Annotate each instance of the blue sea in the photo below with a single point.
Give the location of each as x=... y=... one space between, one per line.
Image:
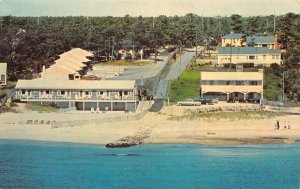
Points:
x=26 y=164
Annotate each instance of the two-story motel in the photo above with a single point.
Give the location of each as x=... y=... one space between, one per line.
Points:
x=3 y=74
x=255 y=55
x=112 y=95
x=64 y=86
x=228 y=86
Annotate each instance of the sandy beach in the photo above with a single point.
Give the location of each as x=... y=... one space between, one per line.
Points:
x=160 y=127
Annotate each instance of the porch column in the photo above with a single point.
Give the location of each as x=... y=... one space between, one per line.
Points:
x=83 y=106
x=245 y=96
x=227 y=96
x=111 y=106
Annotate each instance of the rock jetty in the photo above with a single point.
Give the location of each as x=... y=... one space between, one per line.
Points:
x=138 y=139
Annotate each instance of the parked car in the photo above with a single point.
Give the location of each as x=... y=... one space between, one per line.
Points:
x=215 y=100
x=188 y=102
x=204 y=100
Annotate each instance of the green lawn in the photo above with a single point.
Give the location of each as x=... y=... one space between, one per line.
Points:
x=186 y=87
x=272 y=85
x=41 y=108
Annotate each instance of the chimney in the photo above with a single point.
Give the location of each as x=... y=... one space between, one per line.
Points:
x=43 y=72
x=275 y=41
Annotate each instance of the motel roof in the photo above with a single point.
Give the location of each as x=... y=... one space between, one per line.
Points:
x=69 y=62
x=56 y=69
x=233 y=36
x=247 y=50
x=77 y=52
x=61 y=84
x=232 y=76
x=3 y=67
x=260 y=39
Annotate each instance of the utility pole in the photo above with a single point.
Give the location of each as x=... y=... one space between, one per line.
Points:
x=153 y=24
x=113 y=47
x=274 y=23
x=230 y=54
x=202 y=25
x=283 y=86
x=219 y=26
x=1 y=24
x=180 y=59
x=196 y=42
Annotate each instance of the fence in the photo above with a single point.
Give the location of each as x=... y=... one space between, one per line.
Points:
x=126 y=117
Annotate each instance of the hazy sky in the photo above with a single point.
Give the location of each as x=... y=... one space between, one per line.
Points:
x=146 y=7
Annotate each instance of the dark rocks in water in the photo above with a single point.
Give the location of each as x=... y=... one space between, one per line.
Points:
x=119 y=145
x=120 y=155
x=128 y=141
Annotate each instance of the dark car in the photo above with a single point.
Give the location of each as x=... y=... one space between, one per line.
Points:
x=204 y=100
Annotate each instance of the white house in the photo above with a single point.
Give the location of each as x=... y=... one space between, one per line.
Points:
x=3 y=74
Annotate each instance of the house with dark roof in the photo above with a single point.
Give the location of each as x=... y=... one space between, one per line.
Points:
x=234 y=40
x=255 y=55
x=262 y=41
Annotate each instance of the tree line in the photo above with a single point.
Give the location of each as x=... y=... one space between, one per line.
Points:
x=27 y=43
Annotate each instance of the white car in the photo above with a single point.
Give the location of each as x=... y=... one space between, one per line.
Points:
x=188 y=102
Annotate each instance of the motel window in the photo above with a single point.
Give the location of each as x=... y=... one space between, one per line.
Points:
x=125 y=92
x=87 y=92
x=239 y=82
x=63 y=92
x=211 y=82
x=251 y=57
x=47 y=92
x=227 y=82
x=253 y=82
x=23 y=92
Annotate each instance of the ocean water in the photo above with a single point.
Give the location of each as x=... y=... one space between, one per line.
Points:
x=25 y=164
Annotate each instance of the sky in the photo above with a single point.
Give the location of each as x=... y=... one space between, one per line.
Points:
x=146 y=7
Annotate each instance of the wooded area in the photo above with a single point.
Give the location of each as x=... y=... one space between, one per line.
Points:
x=27 y=43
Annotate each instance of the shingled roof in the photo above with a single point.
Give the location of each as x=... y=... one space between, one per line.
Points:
x=233 y=36
x=247 y=50
x=260 y=39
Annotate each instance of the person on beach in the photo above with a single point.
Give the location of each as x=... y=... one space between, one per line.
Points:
x=277 y=125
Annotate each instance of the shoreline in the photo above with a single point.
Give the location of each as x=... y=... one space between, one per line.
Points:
x=157 y=127
x=206 y=142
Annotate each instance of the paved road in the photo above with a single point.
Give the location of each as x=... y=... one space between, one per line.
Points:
x=177 y=68
x=142 y=73
x=180 y=65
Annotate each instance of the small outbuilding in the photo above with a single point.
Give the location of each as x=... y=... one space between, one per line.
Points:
x=3 y=74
